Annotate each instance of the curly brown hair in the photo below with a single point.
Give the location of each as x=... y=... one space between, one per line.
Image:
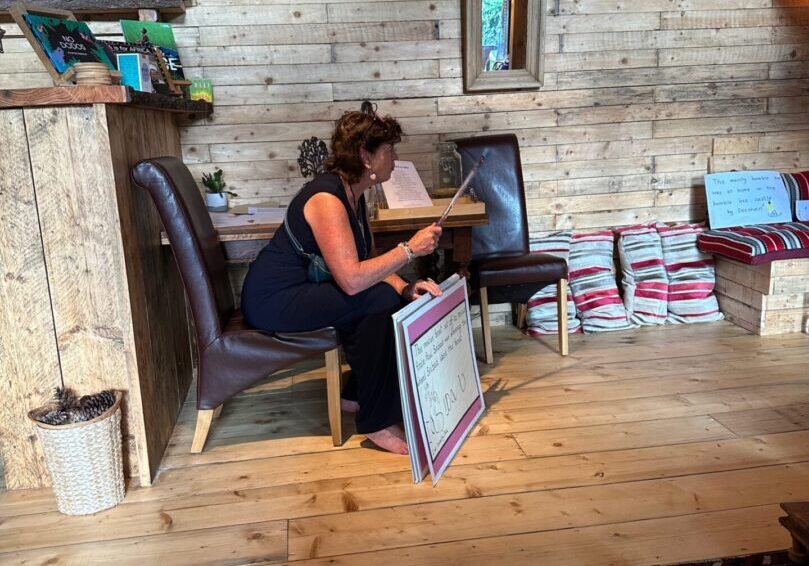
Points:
x=355 y=130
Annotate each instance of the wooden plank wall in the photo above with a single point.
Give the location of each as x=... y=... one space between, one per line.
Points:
x=637 y=94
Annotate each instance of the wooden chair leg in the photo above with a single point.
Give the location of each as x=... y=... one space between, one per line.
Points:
x=521 y=312
x=218 y=411
x=333 y=387
x=561 y=313
x=488 y=353
x=204 y=418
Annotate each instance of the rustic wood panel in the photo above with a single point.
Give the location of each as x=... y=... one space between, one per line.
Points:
x=625 y=80
x=81 y=242
x=158 y=313
x=29 y=360
x=771 y=298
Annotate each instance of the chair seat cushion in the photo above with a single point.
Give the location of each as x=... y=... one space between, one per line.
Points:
x=758 y=244
x=517 y=270
x=322 y=337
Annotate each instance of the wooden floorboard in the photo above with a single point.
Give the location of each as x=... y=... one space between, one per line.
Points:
x=647 y=447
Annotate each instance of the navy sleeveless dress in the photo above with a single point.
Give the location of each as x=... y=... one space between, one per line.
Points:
x=277 y=297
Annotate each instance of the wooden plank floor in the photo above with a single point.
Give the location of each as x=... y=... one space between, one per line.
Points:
x=644 y=447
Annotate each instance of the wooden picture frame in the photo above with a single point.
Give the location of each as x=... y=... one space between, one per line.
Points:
x=175 y=87
x=76 y=44
x=530 y=74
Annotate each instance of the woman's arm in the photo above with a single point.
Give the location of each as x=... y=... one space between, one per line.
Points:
x=327 y=217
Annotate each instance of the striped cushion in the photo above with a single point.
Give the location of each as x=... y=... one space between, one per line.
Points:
x=592 y=281
x=542 y=316
x=758 y=244
x=645 y=284
x=691 y=275
x=798 y=186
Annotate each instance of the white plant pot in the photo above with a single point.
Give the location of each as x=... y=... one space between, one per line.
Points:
x=216 y=202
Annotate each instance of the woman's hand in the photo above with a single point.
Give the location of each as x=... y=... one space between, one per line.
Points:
x=413 y=291
x=425 y=241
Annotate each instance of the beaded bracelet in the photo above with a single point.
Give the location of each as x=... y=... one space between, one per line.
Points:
x=408 y=252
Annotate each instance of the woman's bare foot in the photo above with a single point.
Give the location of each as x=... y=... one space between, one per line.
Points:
x=389 y=439
x=348 y=406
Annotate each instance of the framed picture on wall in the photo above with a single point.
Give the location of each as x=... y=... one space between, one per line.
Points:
x=59 y=40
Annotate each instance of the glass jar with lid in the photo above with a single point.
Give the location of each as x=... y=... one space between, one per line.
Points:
x=446 y=170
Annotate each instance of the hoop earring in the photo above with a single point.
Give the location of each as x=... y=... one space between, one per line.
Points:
x=372 y=176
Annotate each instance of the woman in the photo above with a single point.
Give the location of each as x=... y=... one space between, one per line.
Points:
x=328 y=218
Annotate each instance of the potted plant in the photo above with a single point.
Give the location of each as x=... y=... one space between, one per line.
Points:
x=216 y=197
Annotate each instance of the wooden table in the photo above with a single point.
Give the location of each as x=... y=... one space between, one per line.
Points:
x=244 y=235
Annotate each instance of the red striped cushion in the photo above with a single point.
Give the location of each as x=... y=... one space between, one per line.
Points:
x=645 y=283
x=758 y=244
x=542 y=317
x=797 y=185
x=690 y=273
x=592 y=281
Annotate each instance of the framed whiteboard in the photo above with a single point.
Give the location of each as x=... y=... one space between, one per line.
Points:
x=438 y=375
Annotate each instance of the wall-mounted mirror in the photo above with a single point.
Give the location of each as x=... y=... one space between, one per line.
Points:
x=503 y=44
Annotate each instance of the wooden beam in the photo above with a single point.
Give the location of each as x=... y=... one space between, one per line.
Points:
x=100 y=6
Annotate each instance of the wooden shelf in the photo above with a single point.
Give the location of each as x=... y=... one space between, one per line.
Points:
x=113 y=94
x=104 y=6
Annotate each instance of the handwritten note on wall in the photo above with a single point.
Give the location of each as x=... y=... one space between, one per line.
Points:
x=741 y=198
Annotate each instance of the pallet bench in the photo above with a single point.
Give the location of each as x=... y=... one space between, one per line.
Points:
x=762 y=275
x=770 y=298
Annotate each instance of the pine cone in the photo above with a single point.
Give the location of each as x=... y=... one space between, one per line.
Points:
x=65 y=398
x=91 y=406
x=54 y=417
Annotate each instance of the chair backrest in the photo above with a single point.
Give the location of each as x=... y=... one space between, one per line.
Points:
x=499 y=184
x=194 y=241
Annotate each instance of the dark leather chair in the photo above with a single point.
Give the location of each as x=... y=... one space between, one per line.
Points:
x=231 y=356
x=502 y=269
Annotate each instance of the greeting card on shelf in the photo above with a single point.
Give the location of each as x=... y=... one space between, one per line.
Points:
x=158 y=74
x=161 y=36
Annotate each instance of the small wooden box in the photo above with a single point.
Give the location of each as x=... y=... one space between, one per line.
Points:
x=464 y=207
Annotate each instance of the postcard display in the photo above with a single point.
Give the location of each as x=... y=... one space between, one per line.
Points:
x=438 y=377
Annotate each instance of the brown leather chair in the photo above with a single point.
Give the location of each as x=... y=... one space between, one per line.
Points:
x=502 y=267
x=231 y=356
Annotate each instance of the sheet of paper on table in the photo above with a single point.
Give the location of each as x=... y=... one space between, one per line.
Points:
x=405 y=188
x=268 y=214
x=260 y=216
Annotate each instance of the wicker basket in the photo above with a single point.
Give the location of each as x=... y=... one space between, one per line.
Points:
x=84 y=460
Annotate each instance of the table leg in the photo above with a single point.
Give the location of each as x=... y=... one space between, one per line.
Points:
x=462 y=249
